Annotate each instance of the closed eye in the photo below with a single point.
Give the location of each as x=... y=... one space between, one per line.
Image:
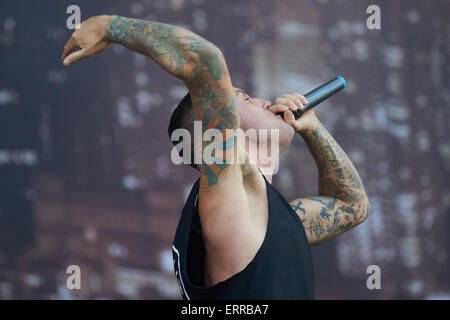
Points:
x=243 y=93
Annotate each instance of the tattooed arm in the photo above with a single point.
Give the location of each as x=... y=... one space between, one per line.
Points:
x=175 y=49
x=342 y=202
x=199 y=63
x=182 y=53
x=223 y=204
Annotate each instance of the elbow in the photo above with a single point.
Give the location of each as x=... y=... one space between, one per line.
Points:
x=206 y=59
x=212 y=49
x=205 y=52
x=212 y=57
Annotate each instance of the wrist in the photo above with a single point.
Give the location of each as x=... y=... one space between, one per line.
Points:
x=305 y=131
x=108 y=33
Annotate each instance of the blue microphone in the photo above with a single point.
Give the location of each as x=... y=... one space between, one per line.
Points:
x=319 y=94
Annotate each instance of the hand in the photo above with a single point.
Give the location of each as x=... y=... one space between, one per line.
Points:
x=287 y=103
x=90 y=38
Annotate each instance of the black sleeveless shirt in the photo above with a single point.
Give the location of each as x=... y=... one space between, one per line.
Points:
x=281 y=269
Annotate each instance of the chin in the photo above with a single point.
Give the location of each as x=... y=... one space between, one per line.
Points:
x=286 y=134
x=285 y=141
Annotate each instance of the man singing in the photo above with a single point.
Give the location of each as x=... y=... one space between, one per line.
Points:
x=238 y=238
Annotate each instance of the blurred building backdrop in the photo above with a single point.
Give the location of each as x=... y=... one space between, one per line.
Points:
x=85 y=170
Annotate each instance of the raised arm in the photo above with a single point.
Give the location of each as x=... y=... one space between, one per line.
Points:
x=182 y=53
x=175 y=49
x=342 y=202
x=223 y=206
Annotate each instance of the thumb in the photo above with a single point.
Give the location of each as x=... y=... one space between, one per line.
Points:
x=75 y=57
x=289 y=117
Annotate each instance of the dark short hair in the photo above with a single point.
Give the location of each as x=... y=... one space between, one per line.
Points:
x=183 y=117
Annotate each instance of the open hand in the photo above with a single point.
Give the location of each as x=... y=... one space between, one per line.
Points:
x=90 y=38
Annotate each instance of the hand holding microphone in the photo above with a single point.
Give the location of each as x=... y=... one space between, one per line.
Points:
x=297 y=115
x=291 y=104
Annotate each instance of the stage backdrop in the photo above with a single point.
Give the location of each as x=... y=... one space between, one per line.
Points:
x=85 y=172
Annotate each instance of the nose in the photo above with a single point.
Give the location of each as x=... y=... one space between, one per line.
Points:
x=266 y=104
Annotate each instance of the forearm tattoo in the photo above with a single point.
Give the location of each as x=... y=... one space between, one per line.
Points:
x=337 y=175
x=170 y=46
x=198 y=63
x=342 y=202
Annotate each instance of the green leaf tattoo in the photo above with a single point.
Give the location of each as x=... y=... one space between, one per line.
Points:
x=196 y=61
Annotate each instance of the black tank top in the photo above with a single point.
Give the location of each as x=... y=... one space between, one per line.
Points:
x=281 y=269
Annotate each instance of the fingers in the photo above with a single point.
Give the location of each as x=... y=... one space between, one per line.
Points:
x=289 y=117
x=69 y=57
x=294 y=99
x=68 y=48
x=302 y=98
x=74 y=57
x=276 y=108
x=287 y=102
